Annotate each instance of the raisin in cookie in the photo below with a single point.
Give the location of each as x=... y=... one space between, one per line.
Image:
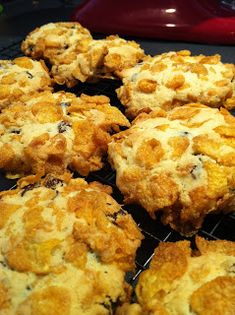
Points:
x=57 y=42
x=104 y=58
x=182 y=282
x=180 y=162
x=176 y=78
x=22 y=76
x=65 y=247
x=55 y=131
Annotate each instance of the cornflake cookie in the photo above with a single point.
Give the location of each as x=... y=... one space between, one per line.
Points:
x=180 y=162
x=182 y=282
x=57 y=42
x=104 y=58
x=55 y=131
x=22 y=76
x=176 y=78
x=65 y=247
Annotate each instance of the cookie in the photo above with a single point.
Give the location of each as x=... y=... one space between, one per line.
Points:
x=180 y=163
x=57 y=42
x=104 y=58
x=65 y=247
x=182 y=282
x=22 y=76
x=176 y=78
x=55 y=131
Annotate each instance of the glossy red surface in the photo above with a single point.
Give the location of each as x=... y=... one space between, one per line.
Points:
x=204 y=21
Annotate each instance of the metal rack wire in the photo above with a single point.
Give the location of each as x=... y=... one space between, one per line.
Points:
x=219 y=226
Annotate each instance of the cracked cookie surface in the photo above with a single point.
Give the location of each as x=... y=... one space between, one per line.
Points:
x=174 y=79
x=104 y=58
x=65 y=245
x=21 y=76
x=180 y=281
x=57 y=42
x=55 y=131
x=179 y=163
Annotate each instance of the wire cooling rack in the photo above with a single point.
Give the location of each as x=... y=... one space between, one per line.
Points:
x=215 y=227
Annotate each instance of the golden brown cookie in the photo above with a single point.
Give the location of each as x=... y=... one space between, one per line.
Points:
x=22 y=76
x=57 y=42
x=180 y=162
x=65 y=247
x=104 y=58
x=174 y=79
x=55 y=131
x=182 y=282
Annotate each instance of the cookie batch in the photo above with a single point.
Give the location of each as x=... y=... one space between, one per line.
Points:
x=65 y=243
x=76 y=57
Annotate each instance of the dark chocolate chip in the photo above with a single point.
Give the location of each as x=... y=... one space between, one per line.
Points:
x=192 y=171
x=63 y=126
x=111 y=305
x=52 y=182
x=199 y=155
x=184 y=133
x=17 y=131
x=115 y=214
x=29 y=187
x=30 y=76
x=56 y=194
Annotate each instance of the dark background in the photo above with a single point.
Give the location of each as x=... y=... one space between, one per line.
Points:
x=19 y=17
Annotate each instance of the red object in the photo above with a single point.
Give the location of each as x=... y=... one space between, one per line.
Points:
x=204 y=21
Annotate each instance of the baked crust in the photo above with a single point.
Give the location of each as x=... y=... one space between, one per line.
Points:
x=55 y=131
x=105 y=58
x=21 y=76
x=174 y=79
x=65 y=245
x=180 y=281
x=57 y=42
x=179 y=162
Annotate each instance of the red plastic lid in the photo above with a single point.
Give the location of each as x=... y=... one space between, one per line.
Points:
x=205 y=21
